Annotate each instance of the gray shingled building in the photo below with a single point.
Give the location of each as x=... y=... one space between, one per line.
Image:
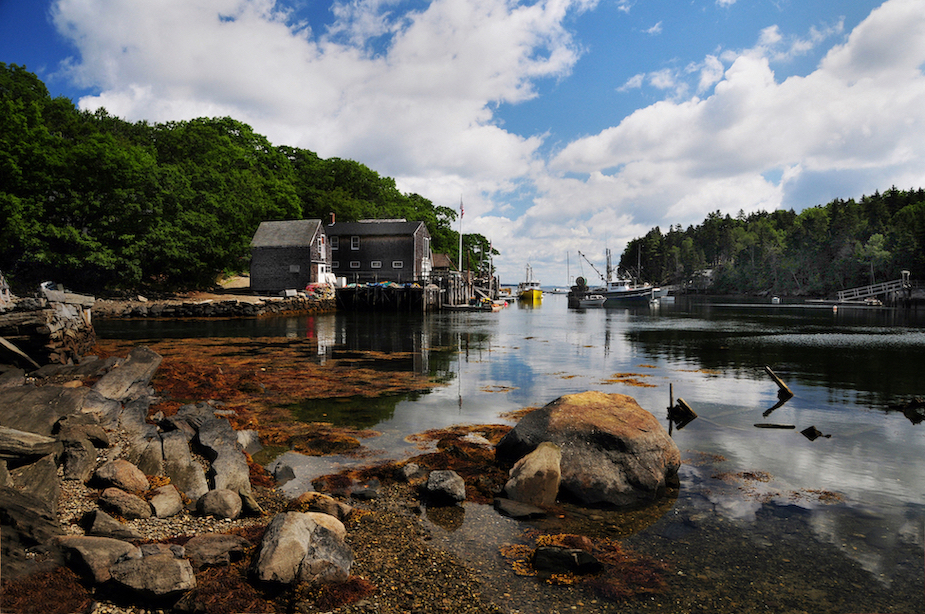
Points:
x=287 y=255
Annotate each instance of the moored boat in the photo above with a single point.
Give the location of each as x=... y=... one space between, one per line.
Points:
x=529 y=289
x=591 y=300
x=617 y=290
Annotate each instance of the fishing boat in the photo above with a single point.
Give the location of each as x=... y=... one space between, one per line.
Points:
x=529 y=289
x=617 y=289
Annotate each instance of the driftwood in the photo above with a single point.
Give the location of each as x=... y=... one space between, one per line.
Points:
x=680 y=414
x=784 y=392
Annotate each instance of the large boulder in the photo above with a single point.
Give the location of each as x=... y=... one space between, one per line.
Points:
x=297 y=548
x=535 y=477
x=614 y=452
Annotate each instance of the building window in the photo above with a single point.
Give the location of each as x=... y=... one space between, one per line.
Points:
x=354 y=242
x=335 y=264
x=354 y=264
x=294 y=268
x=335 y=243
x=398 y=264
x=375 y=264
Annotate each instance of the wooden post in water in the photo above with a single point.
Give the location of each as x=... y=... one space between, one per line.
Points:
x=784 y=391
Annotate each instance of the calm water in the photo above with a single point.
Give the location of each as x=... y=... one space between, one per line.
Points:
x=856 y=497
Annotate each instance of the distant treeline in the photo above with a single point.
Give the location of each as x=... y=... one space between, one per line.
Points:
x=816 y=252
x=98 y=203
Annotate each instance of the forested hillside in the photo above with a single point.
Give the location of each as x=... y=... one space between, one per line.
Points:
x=102 y=204
x=816 y=252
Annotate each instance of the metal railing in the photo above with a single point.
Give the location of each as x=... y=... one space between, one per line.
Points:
x=855 y=294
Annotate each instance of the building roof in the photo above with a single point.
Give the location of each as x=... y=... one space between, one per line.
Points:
x=287 y=233
x=373 y=227
x=443 y=261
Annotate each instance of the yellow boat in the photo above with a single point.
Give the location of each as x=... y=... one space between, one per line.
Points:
x=529 y=289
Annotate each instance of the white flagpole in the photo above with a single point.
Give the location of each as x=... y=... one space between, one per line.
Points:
x=460 y=232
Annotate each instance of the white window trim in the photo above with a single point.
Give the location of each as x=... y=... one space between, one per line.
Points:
x=398 y=264
x=335 y=243
x=375 y=264
x=355 y=242
x=354 y=264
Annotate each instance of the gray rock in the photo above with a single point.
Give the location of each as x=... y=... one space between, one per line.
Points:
x=99 y=523
x=445 y=486
x=20 y=445
x=105 y=410
x=216 y=549
x=220 y=503
x=614 y=452
x=219 y=443
x=295 y=548
x=147 y=453
x=535 y=477
x=179 y=466
x=133 y=418
x=249 y=441
x=92 y=557
x=518 y=510
x=166 y=501
x=175 y=550
x=124 y=504
x=78 y=459
x=5 y=480
x=155 y=576
x=131 y=378
x=39 y=479
x=324 y=504
x=36 y=409
x=82 y=426
x=12 y=377
x=122 y=474
x=564 y=560
x=411 y=472
x=26 y=522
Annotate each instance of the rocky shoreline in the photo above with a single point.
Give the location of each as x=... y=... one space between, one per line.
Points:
x=73 y=496
x=126 y=510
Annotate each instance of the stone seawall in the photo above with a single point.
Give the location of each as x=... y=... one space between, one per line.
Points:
x=230 y=308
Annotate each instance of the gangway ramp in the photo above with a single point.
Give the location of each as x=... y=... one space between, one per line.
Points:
x=873 y=290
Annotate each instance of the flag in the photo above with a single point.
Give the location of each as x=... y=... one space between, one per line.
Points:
x=461 y=210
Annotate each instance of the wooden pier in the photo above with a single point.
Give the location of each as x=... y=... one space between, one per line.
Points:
x=411 y=298
x=888 y=292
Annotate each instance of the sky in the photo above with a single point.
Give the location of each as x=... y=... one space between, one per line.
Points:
x=559 y=125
